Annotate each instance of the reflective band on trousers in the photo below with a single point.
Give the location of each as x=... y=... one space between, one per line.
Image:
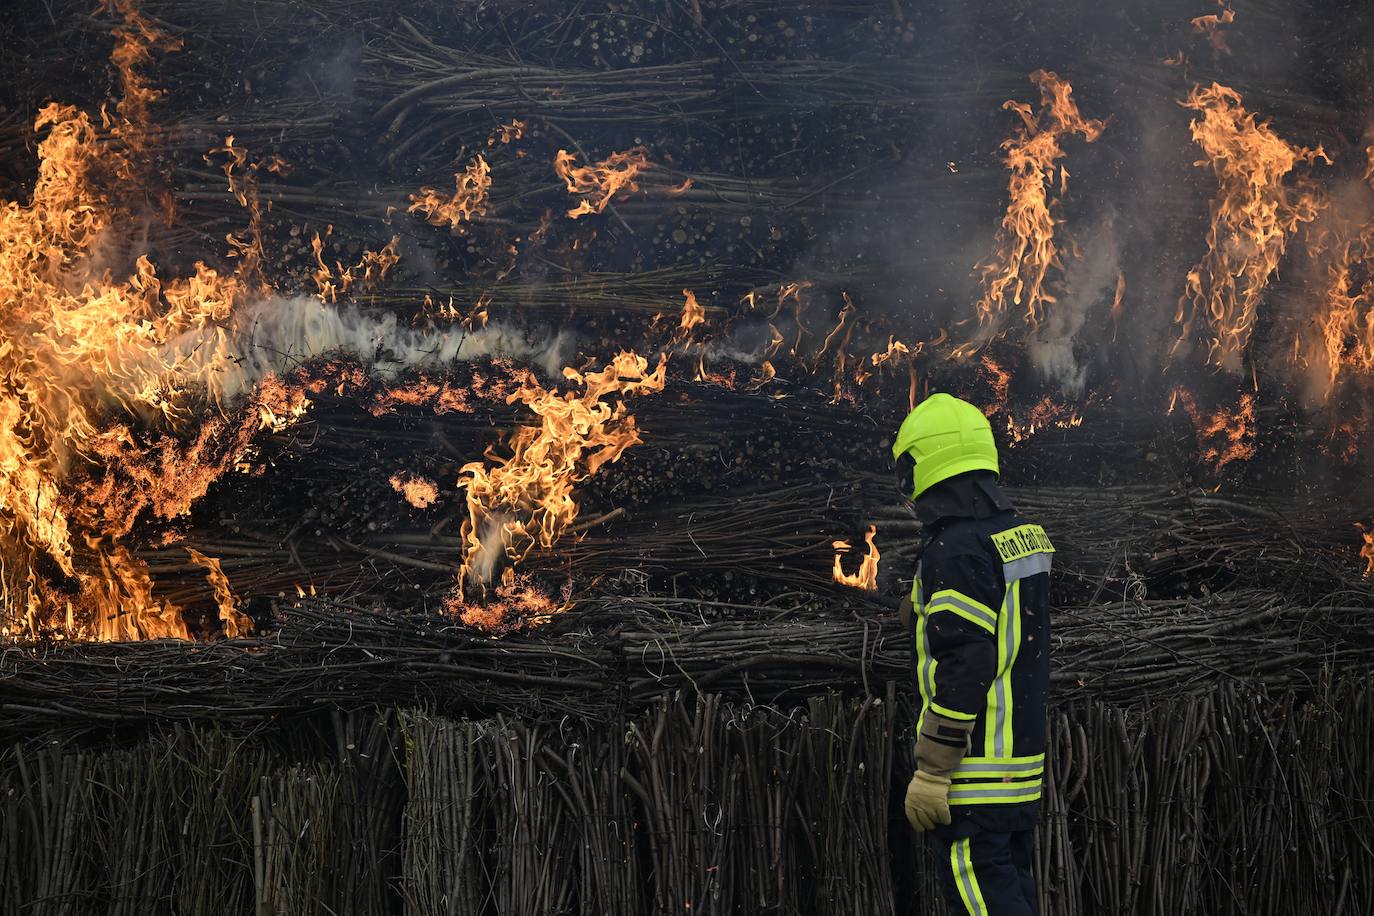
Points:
x=961 y=863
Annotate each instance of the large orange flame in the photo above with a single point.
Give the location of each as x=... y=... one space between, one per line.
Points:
x=1026 y=249
x=525 y=500
x=1255 y=213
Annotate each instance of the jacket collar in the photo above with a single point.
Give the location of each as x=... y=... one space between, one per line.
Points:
x=971 y=495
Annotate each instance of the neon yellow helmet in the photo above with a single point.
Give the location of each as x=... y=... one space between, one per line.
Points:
x=942 y=437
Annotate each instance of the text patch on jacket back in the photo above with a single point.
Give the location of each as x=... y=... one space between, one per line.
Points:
x=1021 y=541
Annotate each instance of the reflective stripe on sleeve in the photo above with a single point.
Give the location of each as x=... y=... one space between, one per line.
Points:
x=952 y=714
x=971 y=610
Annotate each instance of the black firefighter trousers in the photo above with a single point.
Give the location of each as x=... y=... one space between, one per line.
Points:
x=985 y=872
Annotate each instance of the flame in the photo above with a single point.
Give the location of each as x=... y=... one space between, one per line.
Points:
x=1026 y=249
x=692 y=314
x=1047 y=414
x=1253 y=216
x=470 y=198
x=765 y=375
x=525 y=500
x=597 y=184
x=1367 y=549
x=894 y=348
x=75 y=343
x=1223 y=436
x=136 y=39
x=234 y=621
x=1211 y=26
x=506 y=134
x=420 y=492
x=1000 y=379
x=1346 y=319
x=372 y=267
x=1118 y=304
x=867 y=576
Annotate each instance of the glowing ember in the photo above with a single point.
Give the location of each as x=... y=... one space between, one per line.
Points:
x=867 y=576
x=420 y=492
x=525 y=500
x=1026 y=249
x=1253 y=216
x=469 y=200
x=1225 y=435
x=597 y=184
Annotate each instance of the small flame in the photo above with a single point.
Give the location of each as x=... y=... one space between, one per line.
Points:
x=1211 y=26
x=419 y=491
x=597 y=184
x=470 y=198
x=1367 y=549
x=867 y=576
x=1118 y=304
x=235 y=622
x=1225 y=435
x=1047 y=414
x=371 y=268
x=506 y=134
x=692 y=314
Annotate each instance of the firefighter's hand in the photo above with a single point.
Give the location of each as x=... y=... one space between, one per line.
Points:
x=927 y=801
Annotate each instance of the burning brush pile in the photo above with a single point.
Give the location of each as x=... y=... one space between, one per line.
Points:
x=433 y=379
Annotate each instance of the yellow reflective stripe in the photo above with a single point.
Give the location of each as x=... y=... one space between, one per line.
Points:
x=1021 y=541
x=925 y=661
x=961 y=863
x=951 y=714
x=995 y=792
x=983 y=769
x=1013 y=650
x=1008 y=761
x=997 y=737
x=968 y=608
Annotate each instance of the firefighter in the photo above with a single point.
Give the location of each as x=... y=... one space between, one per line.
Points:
x=980 y=618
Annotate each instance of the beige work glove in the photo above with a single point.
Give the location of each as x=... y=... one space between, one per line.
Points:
x=927 y=795
x=927 y=801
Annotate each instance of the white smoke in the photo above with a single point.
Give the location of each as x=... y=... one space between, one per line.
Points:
x=279 y=334
x=1089 y=281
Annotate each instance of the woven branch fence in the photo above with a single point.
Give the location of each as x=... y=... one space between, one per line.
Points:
x=1233 y=800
